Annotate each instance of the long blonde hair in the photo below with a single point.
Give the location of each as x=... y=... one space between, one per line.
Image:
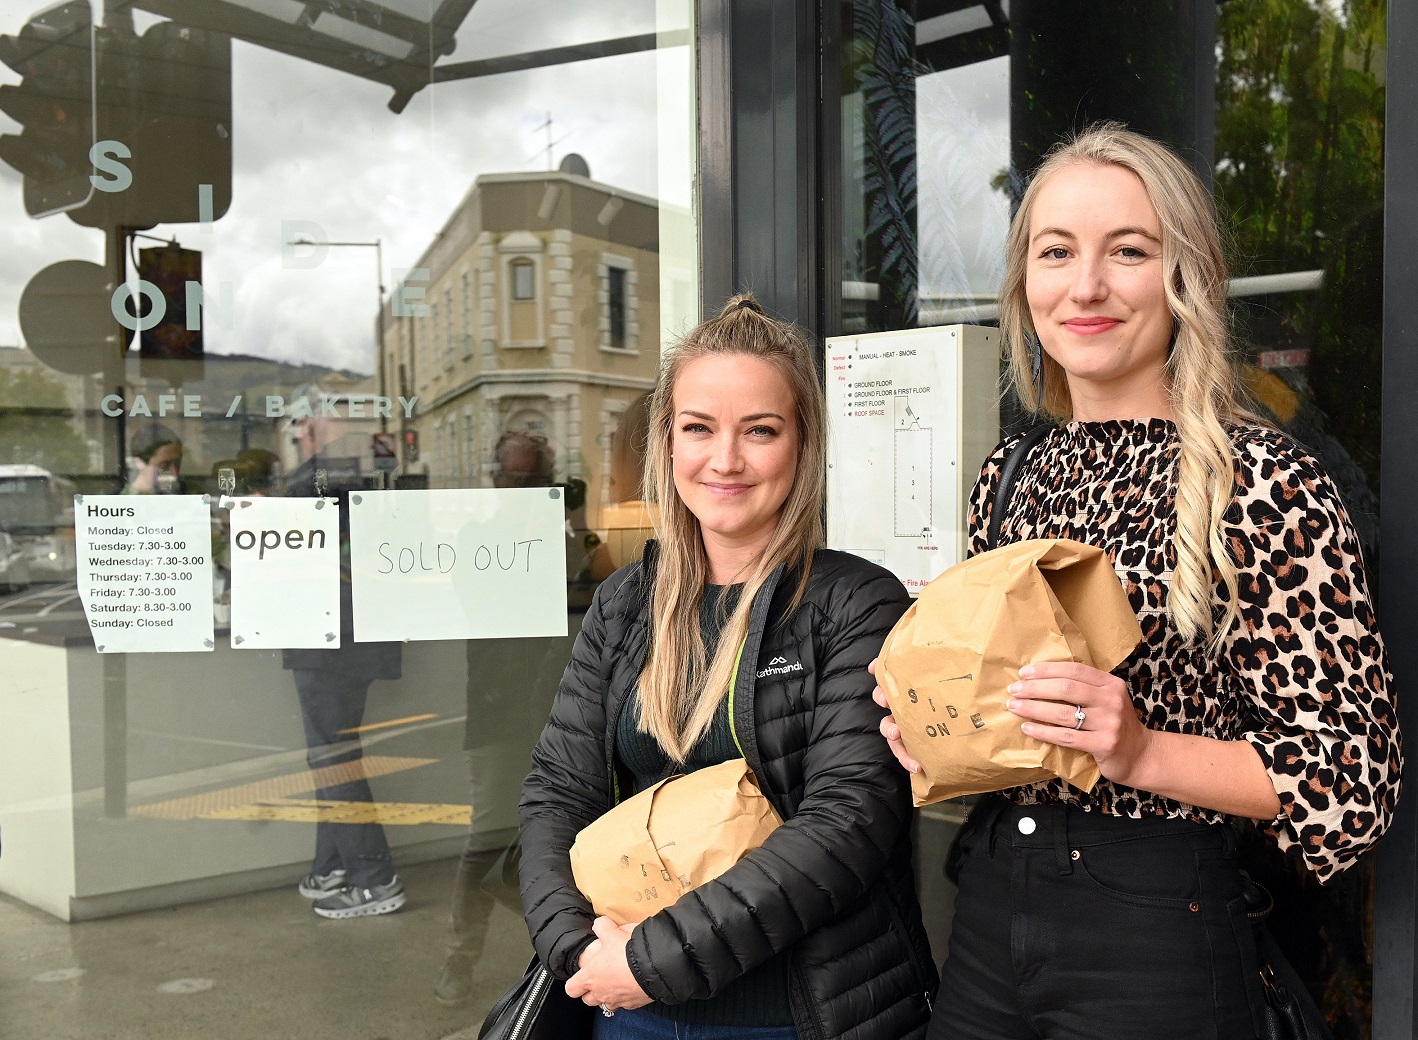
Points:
x=680 y=689
x=1205 y=395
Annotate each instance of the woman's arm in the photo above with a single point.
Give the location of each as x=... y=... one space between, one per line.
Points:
x=1307 y=656
x=1319 y=754
x=854 y=811
x=566 y=789
x=1225 y=775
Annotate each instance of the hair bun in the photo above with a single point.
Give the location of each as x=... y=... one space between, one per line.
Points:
x=742 y=302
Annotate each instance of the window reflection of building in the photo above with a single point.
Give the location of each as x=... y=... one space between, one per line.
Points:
x=625 y=515
x=565 y=274
x=55 y=421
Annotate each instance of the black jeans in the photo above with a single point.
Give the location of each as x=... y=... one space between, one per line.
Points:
x=1078 y=926
x=332 y=705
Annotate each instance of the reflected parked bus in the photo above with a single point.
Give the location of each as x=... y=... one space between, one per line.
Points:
x=37 y=516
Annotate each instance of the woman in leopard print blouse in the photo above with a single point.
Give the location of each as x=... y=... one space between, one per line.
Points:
x=1302 y=674
x=1260 y=688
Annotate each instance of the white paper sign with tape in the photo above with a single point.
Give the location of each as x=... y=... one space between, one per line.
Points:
x=145 y=571
x=285 y=573
x=458 y=563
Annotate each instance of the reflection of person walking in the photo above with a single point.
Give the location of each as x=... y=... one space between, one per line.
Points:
x=505 y=686
x=352 y=874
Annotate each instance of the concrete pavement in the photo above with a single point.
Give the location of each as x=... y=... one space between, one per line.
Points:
x=253 y=966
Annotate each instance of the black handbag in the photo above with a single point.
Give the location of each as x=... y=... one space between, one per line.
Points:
x=1004 y=490
x=1290 y=1012
x=537 y=1008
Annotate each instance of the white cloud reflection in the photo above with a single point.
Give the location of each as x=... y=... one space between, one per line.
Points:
x=314 y=144
x=962 y=143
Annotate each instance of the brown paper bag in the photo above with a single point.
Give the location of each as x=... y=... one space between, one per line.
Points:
x=947 y=665
x=649 y=850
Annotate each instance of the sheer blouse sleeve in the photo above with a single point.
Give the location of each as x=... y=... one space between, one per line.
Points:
x=1307 y=656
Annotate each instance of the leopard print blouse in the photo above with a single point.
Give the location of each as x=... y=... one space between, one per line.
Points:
x=1302 y=676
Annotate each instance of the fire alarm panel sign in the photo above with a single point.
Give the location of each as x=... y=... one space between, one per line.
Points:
x=913 y=416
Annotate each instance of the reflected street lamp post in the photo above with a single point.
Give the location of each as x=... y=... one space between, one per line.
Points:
x=378 y=246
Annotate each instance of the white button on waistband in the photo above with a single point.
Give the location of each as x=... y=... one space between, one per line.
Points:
x=1027 y=825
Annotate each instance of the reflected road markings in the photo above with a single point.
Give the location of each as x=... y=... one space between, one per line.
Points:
x=292 y=810
x=277 y=788
x=392 y=722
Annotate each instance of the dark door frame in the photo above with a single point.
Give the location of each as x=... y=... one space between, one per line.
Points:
x=760 y=157
x=1395 y=905
x=769 y=126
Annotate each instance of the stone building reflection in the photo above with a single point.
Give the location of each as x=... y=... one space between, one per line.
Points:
x=539 y=307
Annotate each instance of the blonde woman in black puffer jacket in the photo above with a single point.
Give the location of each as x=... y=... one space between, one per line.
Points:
x=737 y=635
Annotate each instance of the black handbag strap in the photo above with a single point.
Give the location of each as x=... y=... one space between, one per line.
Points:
x=518 y=991
x=1290 y=1012
x=1005 y=488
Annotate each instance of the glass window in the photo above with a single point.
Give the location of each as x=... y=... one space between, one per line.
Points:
x=440 y=339
x=946 y=110
x=311 y=211
x=448 y=327
x=616 y=293
x=467 y=298
x=524 y=280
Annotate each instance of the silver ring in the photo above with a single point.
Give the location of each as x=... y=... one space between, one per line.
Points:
x=1080 y=715
x=605 y=1010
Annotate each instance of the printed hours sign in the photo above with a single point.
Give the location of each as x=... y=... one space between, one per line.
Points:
x=145 y=571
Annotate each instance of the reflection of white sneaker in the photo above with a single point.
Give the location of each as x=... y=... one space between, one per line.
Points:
x=318 y=886
x=363 y=902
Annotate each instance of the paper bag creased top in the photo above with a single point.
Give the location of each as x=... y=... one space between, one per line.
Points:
x=947 y=665
x=649 y=850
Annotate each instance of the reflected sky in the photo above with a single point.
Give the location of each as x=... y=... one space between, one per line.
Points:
x=962 y=142
x=311 y=143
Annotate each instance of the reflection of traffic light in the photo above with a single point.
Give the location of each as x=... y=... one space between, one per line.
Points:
x=411 y=446
x=54 y=53
x=119 y=130
x=163 y=126
x=170 y=268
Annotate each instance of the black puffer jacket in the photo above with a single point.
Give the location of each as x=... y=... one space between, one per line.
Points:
x=832 y=886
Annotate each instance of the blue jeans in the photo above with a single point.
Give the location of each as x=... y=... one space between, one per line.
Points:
x=644 y=1024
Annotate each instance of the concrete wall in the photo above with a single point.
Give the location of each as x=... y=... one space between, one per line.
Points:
x=215 y=741
x=36 y=799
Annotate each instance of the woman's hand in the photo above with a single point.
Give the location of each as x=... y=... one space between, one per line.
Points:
x=603 y=976
x=1049 y=692
x=890 y=730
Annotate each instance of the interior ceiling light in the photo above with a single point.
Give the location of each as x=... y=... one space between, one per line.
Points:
x=956 y=23
x=422 y=9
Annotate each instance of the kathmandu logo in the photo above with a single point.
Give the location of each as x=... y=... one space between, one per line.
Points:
x=779 y=666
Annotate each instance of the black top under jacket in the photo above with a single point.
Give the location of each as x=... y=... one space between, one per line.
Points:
x=832 y=887
x=758 y=997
